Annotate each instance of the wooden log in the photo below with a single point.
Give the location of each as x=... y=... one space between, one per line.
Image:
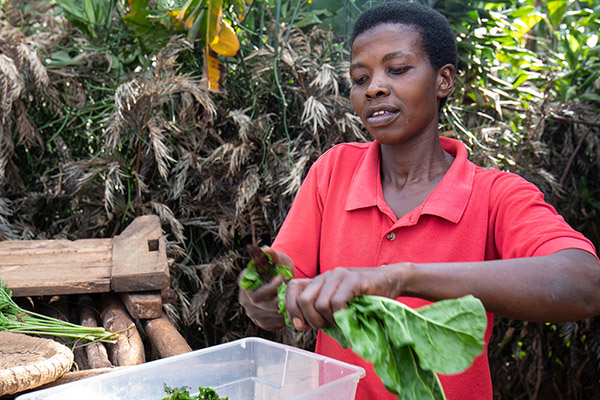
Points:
x=56 y=267
x=139 y=257
x=96 y=353
x=80 y=359
x=143 y=305
x=165 y=338
x=57 y=307
x=129 y=349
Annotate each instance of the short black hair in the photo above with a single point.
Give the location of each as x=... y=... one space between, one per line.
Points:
x=437 y=37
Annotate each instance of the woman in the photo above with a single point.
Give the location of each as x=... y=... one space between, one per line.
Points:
x=409 y=217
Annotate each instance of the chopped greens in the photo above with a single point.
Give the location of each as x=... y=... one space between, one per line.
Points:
x=182 y=393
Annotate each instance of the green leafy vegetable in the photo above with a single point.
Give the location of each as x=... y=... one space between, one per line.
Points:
x=182 y=393
x=408 y=347
x=17 y=320
x=281 y=308
x=256 y=274
x=261 y=269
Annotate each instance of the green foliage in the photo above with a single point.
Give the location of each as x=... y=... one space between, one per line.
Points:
x=182 y=393
x=101 y=23
x=93 y=18
x=550 y=45
x=408 y=347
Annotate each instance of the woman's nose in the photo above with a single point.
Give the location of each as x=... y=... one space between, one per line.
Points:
x=377 y=88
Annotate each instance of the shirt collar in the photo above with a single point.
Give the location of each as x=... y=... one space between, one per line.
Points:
x=448 y=200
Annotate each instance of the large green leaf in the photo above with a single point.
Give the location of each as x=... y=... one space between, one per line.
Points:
x=556 y=9
x=449 y=334
x=408 y=347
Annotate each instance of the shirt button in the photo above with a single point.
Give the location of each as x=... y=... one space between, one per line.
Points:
x=391 y=236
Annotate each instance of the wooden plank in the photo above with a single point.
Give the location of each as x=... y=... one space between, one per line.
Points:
x=140 y=257
x=168 y=296
x=56 y=267
x=19 y=258
x=143 y=305
x=133 y=261
x=13 y=251
x=57 y=279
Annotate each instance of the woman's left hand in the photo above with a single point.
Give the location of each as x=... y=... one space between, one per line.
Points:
x=311 y=303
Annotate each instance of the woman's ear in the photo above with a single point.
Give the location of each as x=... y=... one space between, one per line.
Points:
x=446 y=80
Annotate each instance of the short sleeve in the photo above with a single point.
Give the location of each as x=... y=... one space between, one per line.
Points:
x=299 y=235
x=524 y=225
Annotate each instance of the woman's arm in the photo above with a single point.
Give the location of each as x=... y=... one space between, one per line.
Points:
x=564 y=286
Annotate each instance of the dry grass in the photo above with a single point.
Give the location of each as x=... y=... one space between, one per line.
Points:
x=21 y=74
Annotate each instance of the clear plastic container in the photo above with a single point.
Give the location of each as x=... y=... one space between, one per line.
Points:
x=249 y=368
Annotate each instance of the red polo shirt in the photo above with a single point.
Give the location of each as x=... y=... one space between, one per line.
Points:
x=340 y=219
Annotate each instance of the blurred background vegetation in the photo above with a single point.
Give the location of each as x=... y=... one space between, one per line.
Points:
x=209 y=113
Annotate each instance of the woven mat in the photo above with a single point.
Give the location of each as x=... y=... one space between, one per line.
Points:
x=27 y=362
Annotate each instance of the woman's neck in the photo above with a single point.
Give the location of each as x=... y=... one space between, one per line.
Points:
x=422 y=160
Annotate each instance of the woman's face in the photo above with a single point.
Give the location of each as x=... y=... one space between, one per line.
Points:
x=395 y=90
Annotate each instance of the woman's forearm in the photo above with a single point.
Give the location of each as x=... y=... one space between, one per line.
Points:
x=564 y=286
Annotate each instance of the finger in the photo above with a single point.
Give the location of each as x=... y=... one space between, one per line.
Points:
x=331 y=297
x=279 y=258
x=270 y=322
x=243 y=297
x=266 y=291
x=294 y=288
x=272 y=253
x=306 y=301
x=341 y=297
x=348 y=284
x=264 y=314
x=241 y=275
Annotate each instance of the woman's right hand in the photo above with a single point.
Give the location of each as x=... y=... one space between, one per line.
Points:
x=261 y=303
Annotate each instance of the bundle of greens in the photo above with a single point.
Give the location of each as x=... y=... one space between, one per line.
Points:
x=182 y=393
x=17 y=320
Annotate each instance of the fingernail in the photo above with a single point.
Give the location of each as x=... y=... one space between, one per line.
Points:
x=297 y=323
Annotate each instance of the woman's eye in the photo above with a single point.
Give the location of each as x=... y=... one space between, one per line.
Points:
x=398 y=70
x=359 y=80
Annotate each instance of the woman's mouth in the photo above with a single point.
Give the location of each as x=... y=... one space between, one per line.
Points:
x=382 y=117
